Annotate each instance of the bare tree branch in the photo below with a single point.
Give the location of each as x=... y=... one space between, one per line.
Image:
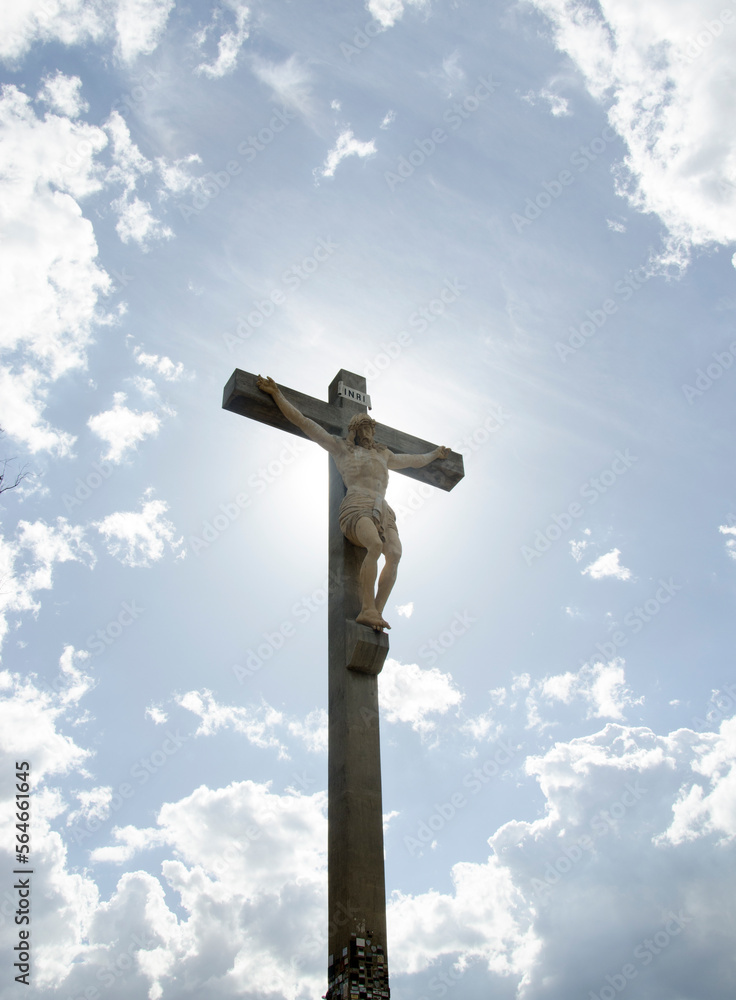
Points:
x=6 y=485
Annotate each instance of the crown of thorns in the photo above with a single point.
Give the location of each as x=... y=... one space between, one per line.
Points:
x=356 y=422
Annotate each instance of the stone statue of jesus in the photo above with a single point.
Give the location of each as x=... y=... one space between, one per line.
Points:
x=366 y=519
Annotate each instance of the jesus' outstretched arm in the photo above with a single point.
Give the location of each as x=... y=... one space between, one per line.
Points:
x=417 y=461
x=310 y=428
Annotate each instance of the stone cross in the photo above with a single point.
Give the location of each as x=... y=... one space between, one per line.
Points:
x=358 y=958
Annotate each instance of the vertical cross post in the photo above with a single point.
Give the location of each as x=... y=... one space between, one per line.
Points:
x=356 y=882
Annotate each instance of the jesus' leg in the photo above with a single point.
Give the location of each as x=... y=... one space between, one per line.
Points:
x=367 y=534
x=387 y=579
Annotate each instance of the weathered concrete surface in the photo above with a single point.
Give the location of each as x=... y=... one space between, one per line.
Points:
x=356 y=882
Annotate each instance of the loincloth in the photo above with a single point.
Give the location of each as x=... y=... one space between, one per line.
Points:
x=365 y=503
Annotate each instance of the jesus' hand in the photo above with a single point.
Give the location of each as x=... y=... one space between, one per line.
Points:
x=267 y=385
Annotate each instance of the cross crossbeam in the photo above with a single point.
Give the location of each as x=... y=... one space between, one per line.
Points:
x=243 y=396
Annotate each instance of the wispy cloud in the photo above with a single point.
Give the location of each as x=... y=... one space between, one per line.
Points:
x=229 y=43
x=346 y=145
x=139 y=538
x=607 y=565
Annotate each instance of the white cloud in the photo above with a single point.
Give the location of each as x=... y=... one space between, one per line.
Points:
x=661 y=78
x=388 y=119
x=26 y=563
x=559 y=106
x=485 y=918
x=122 y=428
x=230 y=42
x=707 y=808
x=161 y=365
x=572 y=896
x=63 y=94
x=607 y=565
x=407 y=693
x=726 y=529
x=71 y=23
x=128 y=162
x=563 y=900
x=290 y=82
x=257 y=724
x=483 y=727
x=34 y=720
x=94 y=804
x=577 y=549
x=23 y=394
x=453 y=71
x=250 y=881
x=175 y=176
x=388 y=12
x=30 y=718
x=599 y=687
x=138 y=538
x=157 y=715
x=312 y=731
x=136 y=222
x=50 y=282
x=249 y=875
x=139 y=25
x=346 y=145
x=405 y=610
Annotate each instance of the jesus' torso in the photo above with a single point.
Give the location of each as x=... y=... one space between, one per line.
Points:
x=362 y=468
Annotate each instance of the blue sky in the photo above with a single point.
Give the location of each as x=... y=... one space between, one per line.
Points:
x=518 y=221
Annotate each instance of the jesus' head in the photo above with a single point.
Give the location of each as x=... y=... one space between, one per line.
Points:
x=360 y=430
